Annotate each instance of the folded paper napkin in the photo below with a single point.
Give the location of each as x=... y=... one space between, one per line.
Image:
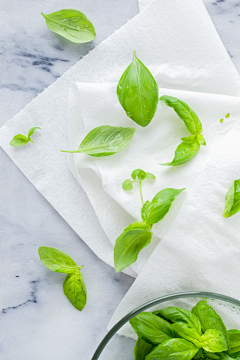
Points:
x=179 y=44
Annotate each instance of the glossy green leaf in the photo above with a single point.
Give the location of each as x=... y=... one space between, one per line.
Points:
x=72 y=24
x=19 y=140
x=105 y=140
x=185 y=113
x=173 y=349
x=75 y=290
x=127 y=185
x=184 y=152
x=150 y=176
x=137 y=92
x=234 y=341
x=141 y=349
x=221 y=120
x=31 y=131
x=214 y=341
x=128 y=245
x=187 y=332
x=155 y=210
x=138 y=173
x=232 y=200
x=56 y=260
x=152 y=328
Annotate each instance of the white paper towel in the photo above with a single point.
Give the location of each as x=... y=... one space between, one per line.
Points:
x=176 y=37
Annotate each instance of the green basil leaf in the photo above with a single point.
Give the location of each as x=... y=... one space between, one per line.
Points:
x=31 y=131
x=150 y=176
x=184 y=152
x=173 y=349
x=128 y=245
x=227 y=116
x=225 y=356
x=137 y=92
x=235 y=355
x=234 y=340
x=56 y=260
x=187 y=332
x=185 y=113
x=201 y=140
x=141 y=349
x=19 y=140
x=127 y=185
x=138 y=173
x=232 y=200
x=75 y=290
x=105 y=140
x=210 y=319
x=211 y=355
x=199 y=354
x=214 y=341
x=155 y=210
x=72 y=24
x=152 y=328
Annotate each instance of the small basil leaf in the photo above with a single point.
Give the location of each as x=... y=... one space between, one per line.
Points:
x=234 y=340
x=199 y=354
x=201 y=140
x=152 y=328
x=137 y=92
x=19 y=140
x=232 y=200
x=56 y=260
x=72 y=24
x=150 y=176
x=75 y=290
x=138 y=173
x=141 y=349
x=211 y=355
x=31 y=131
x=128 y=245
x=225 y=356
x=187 y=332
x=184 y=152
x=210 y=319
x=155 y=211
x=221 y=120
x=227 y=116
x=214 y=341
x=185 y=113
x=127 y=185
x=173 y=349
x=105 y=140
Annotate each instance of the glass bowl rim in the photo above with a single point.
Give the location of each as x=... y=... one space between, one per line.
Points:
x=152 y=303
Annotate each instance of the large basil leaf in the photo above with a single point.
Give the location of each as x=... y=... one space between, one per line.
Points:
x=141 y=349
x=19 y=140
x=56 y=260
x=174 y=349
x=185 y=113
x=234 y=340
x=152 y=328
x=154 y=211
x=187 y=332
x=72 y=24
x=137 y=92
x=213 y=340
x=105 y=140
x=210 y=319
x=185 y=151
x=75 y=290
x=128 y=245
x=232 y=200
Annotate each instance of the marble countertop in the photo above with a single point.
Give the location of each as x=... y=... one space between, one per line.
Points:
x=37 y=322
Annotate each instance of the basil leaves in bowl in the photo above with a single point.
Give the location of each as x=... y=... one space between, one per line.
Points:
x=190 y=325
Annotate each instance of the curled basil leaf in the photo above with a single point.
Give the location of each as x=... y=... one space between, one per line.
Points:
x=105 y=140
x=71 y=24
x=141 y=349
x=214 y=341
x=234 y=340
x=232 y=200
x=56 y=260
x=75 y=290
x=20 y=140
x=137 y=92
x=128 y=245
x=127 y=185
x=177 y=349
x=184 y=152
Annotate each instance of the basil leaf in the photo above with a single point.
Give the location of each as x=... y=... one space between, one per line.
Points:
x=128 y=245
x=72 y=24
x=184 y=152
x=199 y=354
x=75 y=290
x=150 y=176
x=19 y=140
x=152 y=328
x=56 y=260
x=201 y=140
x=127 y=185
x=214 y=341
x=185 y=113
x=105 y=140
x=211 y=355
x=187 y=332
x=234 y=340
x=174 y=349
x=232 y=200
x=225 y=356
x=210 y=319
x=137 y=92
x=227 y=116
x=141 y=349
x=138 y=173
x=154 y=211
x=31 y=131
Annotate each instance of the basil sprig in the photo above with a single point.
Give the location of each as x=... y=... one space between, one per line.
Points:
x=20 y=140
x=73 y=287
x=105 y=140
x=137 y=92
x=190 y=145
x=71 y=24
x=138 y=235
x=232 y=200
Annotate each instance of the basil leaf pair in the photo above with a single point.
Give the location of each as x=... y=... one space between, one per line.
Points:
x=137 y=92
x=73 y=287
x=190 y=145
x=71 y=24
x=20 y=140
x=232 y=200
x=104 y=141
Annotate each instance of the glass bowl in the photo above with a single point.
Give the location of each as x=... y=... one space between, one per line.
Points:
x=117 y=347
